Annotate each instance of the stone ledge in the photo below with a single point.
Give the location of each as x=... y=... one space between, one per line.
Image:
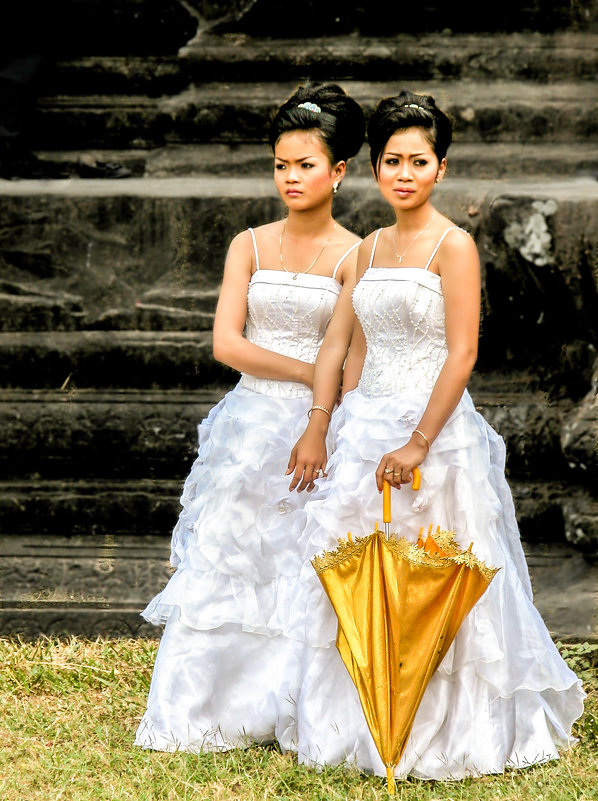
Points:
x=422 y=57
x=564 y=592
x=498 y=111
x=129 y=359
x=489 y=160
x=152 y=434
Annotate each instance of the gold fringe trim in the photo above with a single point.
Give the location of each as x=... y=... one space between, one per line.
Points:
x=408 y=551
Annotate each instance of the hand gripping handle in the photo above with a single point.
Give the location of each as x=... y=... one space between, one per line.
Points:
x=415 y=485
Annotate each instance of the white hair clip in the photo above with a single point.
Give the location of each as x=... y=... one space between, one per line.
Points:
x=310 y=107
x=414 y=105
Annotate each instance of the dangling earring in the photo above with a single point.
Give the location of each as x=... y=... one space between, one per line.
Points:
x=335 y=187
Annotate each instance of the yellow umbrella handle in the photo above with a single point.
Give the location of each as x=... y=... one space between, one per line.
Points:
x=415 y=485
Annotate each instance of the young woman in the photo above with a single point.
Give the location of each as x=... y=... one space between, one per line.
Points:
x=219 y=680
x=503 y=696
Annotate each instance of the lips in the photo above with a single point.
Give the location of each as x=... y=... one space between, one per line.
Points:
x=404 y=190
x=293 y=192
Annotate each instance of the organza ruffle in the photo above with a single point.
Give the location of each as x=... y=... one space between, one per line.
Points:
x=235 y=543
x=502 y=695
x=248 y=654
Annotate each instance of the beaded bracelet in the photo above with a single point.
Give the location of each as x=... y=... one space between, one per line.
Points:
x=322 y=408
x=421 y=433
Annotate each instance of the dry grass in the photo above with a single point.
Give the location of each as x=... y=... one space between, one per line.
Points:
x=70 y=710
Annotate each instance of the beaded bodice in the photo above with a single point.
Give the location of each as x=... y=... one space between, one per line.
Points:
x=288 y=316
x=401 y=311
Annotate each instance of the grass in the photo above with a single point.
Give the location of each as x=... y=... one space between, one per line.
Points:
x=70 y=710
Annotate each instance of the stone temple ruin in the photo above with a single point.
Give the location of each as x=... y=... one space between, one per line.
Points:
x=108 y=286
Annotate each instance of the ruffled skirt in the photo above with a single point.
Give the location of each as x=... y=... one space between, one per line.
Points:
x=248 y=653
x=503 y=696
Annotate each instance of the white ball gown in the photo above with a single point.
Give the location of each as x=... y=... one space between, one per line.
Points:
x=502 y=696
x=218 y=680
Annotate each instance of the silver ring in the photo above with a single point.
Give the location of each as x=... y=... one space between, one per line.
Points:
x=388 y=470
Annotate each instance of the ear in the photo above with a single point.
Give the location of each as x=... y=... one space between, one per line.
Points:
x=339 y=170
x=441 y=171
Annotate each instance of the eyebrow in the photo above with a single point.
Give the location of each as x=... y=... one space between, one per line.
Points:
x=303 y=158
x=392 y=153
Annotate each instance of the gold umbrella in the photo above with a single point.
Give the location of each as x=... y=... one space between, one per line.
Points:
x=399 y=606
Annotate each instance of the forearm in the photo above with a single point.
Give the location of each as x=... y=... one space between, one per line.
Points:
x=246 y=357
x=328 y=374
x=447 y=393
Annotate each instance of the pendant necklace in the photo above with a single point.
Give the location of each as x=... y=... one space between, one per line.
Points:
x=394 y=238
x=303 y=272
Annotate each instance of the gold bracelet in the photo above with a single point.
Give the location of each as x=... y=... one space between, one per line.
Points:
x=322 y=408
x=421 y=433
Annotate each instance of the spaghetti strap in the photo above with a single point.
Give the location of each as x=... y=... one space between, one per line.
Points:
x=257 y=258
x=440 y=241
x=374 y=248
x=343 y=257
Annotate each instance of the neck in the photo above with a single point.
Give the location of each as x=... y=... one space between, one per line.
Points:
x=310 y=221
x=411 y=220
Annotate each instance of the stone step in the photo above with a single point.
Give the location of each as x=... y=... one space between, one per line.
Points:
x=129 y=359
x=121 y=248
x=88 y=509
x=97 y=585
x=543 y=58
x=132 y=510
x=489 y=160
x=483 y=111
x=151 y=434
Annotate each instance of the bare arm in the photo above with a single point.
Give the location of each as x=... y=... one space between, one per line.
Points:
x=230 y=346
x=355 y=359
x=460 y=272
x=309 y=454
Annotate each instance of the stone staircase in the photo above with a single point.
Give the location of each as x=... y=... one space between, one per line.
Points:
x=108 y=287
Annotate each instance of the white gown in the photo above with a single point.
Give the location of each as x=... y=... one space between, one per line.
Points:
x=502 y=696
x=227 y=608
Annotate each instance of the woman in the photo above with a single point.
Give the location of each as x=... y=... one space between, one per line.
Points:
x=218 y=680
x=502 y=696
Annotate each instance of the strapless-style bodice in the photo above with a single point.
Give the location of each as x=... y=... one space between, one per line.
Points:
x=288 y=316
x=401 y=311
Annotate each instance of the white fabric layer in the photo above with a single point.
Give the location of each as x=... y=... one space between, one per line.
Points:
x=503 y=695
x=248 y=654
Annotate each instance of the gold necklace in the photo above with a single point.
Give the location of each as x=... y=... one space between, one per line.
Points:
x=303 y=272
x=394 y=238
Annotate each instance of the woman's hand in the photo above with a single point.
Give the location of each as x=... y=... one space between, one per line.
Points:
x=397 y=466
x=308 y=458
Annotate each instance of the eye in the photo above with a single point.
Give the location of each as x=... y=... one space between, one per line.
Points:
x=279 y=166
x=306 y=165
x=391 y=160
x=420 y=162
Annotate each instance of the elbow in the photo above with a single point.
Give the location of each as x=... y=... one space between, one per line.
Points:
x=465 y=359
x=220 y=351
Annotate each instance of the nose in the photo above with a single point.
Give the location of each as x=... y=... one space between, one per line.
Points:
x=404 y=171
x=292 y=175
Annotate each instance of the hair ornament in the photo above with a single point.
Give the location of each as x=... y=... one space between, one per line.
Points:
x=414 y=105
x=310 y=107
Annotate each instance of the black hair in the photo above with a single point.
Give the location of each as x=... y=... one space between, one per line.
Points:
x=408 y=110
x=329 y=111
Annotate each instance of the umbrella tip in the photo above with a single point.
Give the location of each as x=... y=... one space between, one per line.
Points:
x=390 y=779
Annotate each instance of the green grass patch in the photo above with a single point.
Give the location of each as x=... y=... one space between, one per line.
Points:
x=70 y=710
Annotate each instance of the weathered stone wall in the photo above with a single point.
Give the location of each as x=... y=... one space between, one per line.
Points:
x=108 y=287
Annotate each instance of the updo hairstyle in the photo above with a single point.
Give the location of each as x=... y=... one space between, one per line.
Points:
x=408 y=110
x=340 y=122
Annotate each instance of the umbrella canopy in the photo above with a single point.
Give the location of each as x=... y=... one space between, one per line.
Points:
x=399 y=607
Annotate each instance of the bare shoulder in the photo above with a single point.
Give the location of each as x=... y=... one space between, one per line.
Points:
x=457 y=242
x=346 y=237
